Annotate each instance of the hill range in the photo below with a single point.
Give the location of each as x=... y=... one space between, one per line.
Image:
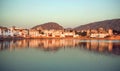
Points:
x=106 y=24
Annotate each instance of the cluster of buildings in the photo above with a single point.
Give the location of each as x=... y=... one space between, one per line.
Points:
x=42 y=33
x=96 y=33
x=35 y=33
x=99 y=33
x=13 y=32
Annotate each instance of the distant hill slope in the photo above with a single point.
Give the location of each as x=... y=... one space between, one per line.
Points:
x=3 y=27
x=107 y=24
x=49 y=26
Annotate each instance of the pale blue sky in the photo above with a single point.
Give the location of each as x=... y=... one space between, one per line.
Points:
x=68 y=13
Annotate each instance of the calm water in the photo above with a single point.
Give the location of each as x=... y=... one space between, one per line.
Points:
x=60 y=55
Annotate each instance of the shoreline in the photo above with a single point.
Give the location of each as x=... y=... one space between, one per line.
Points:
x=80 y=38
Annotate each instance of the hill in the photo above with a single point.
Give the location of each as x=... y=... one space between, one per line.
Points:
x=107 y=24
x=49 y=26
x=1 y=27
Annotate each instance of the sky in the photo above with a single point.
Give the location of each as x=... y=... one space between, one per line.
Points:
x=68 y=13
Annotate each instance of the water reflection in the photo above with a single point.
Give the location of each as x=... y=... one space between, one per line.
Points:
x=101 y=46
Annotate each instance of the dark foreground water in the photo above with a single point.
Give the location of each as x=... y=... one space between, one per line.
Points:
x=60 y=55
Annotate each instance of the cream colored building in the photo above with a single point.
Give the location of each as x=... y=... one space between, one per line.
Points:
x=101 y=33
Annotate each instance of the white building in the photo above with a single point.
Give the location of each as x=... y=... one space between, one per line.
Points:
x=99 y=35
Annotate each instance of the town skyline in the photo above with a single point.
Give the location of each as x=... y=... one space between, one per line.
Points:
x=1 y=25
x=72 y=13
x=108 y=29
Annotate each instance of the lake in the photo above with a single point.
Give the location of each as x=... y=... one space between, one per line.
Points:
x=59 y=55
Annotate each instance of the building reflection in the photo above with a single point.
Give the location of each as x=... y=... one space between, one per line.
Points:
x=107 y=46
